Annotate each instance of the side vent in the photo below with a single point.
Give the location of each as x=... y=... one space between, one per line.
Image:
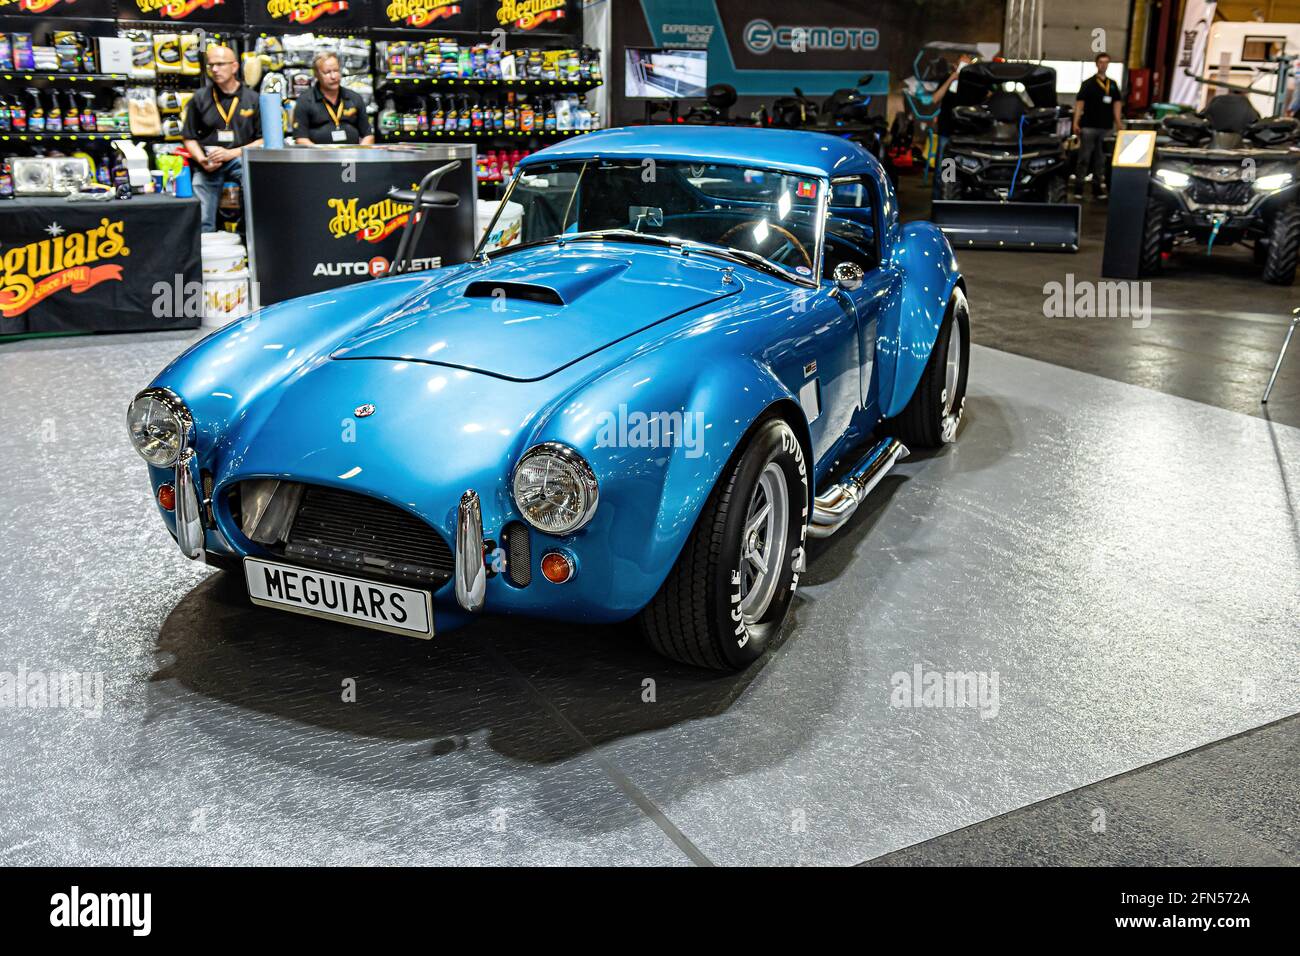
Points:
x=526 y=291
x=519 y=558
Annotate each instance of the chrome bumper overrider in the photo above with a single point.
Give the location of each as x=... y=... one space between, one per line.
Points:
x=471 y=575
x=189 y=510
x=832 y=509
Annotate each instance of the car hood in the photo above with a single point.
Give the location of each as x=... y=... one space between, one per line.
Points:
x=530 y=313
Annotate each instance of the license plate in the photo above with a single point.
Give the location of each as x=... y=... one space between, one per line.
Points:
x=338 y=597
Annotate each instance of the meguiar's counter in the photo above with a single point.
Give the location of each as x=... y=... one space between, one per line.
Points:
x=319 y=217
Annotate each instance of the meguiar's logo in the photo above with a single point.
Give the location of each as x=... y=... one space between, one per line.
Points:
x=372 y=223
x=31 y=273
x=304 y=11
x=175 y=9
x=33 y=6
x=527 y=14
x=420 y=13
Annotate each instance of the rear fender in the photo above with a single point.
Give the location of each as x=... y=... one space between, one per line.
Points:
x=907 y=335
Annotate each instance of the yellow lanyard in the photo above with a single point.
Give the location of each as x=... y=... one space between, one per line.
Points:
x=226 y=115
x=1104 y=83
x=335 y=115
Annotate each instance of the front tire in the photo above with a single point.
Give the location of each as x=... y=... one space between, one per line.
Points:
x=1153 y=237
x=933 y=414
x=725 y=599
x=1057 y=191
x=1283 y=246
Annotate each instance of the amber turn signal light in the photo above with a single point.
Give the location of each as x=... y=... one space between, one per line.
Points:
x=167 y=497
x=557 y=567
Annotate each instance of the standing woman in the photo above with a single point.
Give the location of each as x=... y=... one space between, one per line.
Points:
x=329 y=113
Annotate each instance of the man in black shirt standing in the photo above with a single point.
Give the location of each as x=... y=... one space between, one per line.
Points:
x=222 y=120
x=1097 y=110
x=329 y=113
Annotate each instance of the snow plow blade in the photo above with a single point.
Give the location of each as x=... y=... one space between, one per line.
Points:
x=1036 y=226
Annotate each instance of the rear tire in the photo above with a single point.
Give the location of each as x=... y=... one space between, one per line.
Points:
x=1283 y=246
x=700 y=614
x=1153 y=237
x=933 y=414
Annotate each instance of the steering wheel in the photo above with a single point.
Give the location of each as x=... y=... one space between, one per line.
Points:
x=799 y=246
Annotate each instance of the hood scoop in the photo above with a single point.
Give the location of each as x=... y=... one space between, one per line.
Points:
x=524 y=291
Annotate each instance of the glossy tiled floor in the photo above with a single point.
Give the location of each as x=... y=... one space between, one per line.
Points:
x=1125 y=561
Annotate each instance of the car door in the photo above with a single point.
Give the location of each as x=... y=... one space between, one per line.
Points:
x=852 y=236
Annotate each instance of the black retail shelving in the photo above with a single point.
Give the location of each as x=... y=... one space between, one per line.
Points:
x=483 y=133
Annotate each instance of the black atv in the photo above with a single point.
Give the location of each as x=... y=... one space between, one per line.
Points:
x=998 y=136
x=1227 y=176
x=846 y=112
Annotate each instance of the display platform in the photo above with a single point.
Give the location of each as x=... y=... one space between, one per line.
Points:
x=96 y=266
x=1092 y=544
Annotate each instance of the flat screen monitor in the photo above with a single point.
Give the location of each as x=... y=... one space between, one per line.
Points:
x=666 y=74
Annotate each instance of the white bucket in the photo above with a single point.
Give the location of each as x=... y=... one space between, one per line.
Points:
x=224 y=258
x=225 y=298
x=507 y=228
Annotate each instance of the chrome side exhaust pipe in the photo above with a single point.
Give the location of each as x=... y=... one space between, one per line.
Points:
x=471 y=574
x=832 y=509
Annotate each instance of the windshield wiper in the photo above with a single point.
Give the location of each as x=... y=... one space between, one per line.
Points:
x=629 y=234
x=741 y=255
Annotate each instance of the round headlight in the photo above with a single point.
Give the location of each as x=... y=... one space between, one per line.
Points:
x=555 y=489
x=159 y=424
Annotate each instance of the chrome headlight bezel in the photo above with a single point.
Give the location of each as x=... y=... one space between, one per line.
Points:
x=177 y=417
x=573 y=468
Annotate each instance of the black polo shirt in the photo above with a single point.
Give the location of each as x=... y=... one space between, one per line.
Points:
x=204 y=123
x=312 y=120
x=1097 y=113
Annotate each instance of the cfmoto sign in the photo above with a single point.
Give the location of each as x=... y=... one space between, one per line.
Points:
x=760 y=36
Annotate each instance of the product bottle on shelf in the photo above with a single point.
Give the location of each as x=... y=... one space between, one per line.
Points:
x=388 y=121
x=498 y=116
x=453 y=115
x=437 y=116
x=525 y=117
x=476 y=115
x=71 y=114
x=463 y=121
x=4 y=115
x=35 y=113
x=89 y=121
x=6 y=180
x=511 y=113
x=422 y=117
x=54 y=115
x=548 y=124
x=18 y=115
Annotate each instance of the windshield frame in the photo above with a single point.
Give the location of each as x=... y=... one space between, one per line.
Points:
x=819 y=224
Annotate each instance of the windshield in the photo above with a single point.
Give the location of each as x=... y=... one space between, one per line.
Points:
x=752 y=210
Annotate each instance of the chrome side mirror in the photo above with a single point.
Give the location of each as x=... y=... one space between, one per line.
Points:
x=848 y=275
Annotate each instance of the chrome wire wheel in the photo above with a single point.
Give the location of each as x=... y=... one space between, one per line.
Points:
x=763 y=546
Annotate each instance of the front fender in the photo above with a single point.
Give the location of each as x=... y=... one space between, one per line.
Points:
x=907 y=335
x=658 y=433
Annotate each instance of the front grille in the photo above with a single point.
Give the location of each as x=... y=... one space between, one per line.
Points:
x=519 y=558
x=1206 y=192
x=356 y=533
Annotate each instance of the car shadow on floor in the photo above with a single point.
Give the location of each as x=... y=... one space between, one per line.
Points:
x=537 y=691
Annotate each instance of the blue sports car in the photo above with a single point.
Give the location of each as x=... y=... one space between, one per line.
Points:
x=677 y=353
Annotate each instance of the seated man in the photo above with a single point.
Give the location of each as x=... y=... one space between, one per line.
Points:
x=222 y=119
